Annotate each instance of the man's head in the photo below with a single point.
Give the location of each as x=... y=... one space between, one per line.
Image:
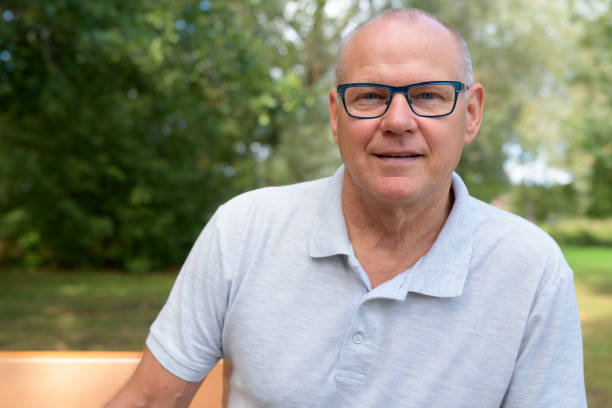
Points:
x=402 y=157
x=464 y=68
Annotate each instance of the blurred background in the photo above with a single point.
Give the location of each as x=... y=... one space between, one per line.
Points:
x=123 y=125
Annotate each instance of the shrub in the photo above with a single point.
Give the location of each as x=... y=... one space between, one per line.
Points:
x=581 y=231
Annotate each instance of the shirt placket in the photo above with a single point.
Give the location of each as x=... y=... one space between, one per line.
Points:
x=358 y=347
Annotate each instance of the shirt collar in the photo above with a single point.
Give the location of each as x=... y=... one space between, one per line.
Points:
x=441 y=272
x=329 y=235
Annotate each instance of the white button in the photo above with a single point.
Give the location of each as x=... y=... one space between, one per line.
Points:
x=358 y=338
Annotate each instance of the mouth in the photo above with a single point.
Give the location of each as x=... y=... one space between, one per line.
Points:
x=397 y=156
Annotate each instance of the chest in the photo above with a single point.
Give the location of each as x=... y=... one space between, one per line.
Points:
x=329 y=342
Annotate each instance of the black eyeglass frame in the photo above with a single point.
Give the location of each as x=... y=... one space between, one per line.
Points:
x=459 y=86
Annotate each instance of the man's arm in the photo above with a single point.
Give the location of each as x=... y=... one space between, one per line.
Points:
x=152 y=385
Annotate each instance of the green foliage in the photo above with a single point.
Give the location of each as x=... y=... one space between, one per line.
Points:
x=542 y=203
x=591 y=151
x=126 y=124
x=581 y=232
x=598 y=142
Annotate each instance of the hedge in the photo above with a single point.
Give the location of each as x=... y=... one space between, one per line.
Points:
x=581 y=231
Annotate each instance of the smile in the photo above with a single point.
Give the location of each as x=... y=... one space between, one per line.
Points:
x=397 y=155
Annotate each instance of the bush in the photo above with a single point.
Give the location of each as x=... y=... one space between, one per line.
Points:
x=581 y=231
x=121 y=132
x=542 y=203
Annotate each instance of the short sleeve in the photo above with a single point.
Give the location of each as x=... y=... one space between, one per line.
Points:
x=549 y=369
x=186 y=335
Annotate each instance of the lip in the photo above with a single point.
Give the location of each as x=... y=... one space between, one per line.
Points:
x=397 y=158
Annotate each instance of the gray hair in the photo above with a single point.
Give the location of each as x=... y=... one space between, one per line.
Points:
x=464 y=68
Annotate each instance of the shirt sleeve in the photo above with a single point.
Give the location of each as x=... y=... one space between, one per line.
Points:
x=549 y=369
x=186 y=335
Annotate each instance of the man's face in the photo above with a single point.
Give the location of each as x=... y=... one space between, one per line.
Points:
x=401 y=53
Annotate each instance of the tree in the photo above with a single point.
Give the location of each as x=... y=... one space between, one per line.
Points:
x=592 y=149
x=125 y=124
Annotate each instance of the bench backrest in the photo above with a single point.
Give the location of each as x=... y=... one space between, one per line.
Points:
x=83 y=379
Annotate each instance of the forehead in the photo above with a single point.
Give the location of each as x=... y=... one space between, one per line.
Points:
x=401 y=51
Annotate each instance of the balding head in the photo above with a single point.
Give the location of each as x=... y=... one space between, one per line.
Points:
x=407 y=16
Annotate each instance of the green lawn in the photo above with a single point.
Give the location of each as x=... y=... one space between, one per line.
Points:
x=110 y=311
x=79 y=311
x=593 y=275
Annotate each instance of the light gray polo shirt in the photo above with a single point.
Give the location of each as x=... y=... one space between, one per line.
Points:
x=487 y=318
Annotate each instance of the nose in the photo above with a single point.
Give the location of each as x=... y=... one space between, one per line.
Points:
x=399 y=117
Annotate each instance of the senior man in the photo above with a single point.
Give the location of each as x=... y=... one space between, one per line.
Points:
x=385 y=285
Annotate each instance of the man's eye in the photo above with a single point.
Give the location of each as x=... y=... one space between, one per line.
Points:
x=430 y=96
x=371 y=95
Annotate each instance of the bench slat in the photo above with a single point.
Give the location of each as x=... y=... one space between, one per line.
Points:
x=80 y=379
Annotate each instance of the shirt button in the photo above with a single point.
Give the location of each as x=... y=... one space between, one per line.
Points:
x=358 y=338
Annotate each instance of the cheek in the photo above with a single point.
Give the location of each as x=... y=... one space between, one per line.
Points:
x=446 y=138
x=355 y=134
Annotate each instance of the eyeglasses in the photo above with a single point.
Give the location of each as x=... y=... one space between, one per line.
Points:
x=428 y=99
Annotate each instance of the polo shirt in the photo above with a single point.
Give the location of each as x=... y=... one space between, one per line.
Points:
x=487 y=318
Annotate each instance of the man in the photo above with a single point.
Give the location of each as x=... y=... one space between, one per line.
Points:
x=385 y=285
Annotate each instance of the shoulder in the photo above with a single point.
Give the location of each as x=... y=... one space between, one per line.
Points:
x=270 y=212
x=516 y=246
x=293 y=193
x=277 y=201
x=495 y=222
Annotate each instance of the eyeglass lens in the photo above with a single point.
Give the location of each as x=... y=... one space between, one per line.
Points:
x=426 y=100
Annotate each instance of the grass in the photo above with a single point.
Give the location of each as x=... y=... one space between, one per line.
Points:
x=79 y=311
x=593 y=275
x=111 y=311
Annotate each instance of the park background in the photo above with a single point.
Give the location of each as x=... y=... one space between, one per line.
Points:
x=123 y=125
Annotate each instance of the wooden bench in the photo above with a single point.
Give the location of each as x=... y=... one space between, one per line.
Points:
x=83 y=379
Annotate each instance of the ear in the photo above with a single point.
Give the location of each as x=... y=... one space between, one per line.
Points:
x=334 y=104
x=474 y=109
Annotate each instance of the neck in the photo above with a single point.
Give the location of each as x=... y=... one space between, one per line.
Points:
x=404 y=229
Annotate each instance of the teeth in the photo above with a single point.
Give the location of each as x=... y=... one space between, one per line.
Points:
x=398 y=155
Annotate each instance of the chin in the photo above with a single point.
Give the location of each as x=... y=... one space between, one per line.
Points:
x=397 y=190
